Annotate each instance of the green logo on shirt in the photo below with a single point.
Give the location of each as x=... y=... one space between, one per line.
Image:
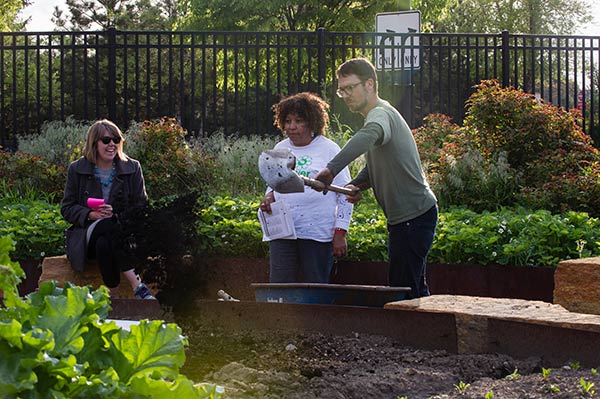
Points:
x=302 y=165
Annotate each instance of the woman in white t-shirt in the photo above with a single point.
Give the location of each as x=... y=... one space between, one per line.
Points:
x=320 y=221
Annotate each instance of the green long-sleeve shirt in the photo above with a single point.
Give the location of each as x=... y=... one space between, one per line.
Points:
x=393 y=167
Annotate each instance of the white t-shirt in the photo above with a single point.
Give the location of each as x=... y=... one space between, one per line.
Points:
x=316 y=215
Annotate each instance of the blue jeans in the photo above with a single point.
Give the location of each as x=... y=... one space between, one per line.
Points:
x=300 y=261
x=409 y=244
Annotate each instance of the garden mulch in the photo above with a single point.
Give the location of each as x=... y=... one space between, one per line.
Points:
x=279 y=365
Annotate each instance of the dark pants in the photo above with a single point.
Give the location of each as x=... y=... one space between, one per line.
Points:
x=409 y=244
x=103 y=247
x=300 y=261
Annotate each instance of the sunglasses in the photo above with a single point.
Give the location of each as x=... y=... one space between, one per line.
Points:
x=107 y=139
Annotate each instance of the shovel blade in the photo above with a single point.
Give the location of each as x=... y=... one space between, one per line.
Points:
x=276 y=167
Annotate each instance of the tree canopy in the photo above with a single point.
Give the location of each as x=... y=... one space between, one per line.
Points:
x=120 y=14
x=9 y=15
x=452 y=16
x=560 y=17
x=284 y=15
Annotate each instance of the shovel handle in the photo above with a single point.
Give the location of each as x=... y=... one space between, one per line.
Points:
x=320 y=186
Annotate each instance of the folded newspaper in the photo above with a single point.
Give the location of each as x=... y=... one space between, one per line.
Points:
x=278 y=224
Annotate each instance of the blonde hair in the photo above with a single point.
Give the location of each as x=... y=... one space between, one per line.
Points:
x=95 y=133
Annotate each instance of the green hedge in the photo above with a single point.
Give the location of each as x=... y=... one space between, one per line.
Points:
x=229 y=227
x=516 y=237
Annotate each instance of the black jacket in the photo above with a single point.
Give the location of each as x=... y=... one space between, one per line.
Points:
x=127 y=191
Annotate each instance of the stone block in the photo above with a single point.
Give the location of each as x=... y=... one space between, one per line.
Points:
x=577 y=285
x=58 y=268
x=473 y=315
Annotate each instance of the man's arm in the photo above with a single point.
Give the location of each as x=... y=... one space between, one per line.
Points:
x=369 y=135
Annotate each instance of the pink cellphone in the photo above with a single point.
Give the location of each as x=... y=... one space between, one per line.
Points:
x=94 y=203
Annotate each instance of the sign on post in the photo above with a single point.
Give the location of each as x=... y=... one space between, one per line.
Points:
x=397 y=48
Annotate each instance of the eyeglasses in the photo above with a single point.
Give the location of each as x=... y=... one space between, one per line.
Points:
x=107 y=139
x=347 y=90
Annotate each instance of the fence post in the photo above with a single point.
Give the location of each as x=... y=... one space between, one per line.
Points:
x=505 y=60
x=111 y=95
x=322 y=61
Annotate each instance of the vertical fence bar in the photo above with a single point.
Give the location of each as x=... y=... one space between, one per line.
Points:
x=111 y=95
x=14 y=84
x=321 y=61
x=3 y=127
x=125 y=88
x=225 y=85
x=505 y=59
x=26 y=121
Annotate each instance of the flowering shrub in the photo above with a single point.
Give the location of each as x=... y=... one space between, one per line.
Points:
x=26 y=175
x=511 y=150
x=170 y=166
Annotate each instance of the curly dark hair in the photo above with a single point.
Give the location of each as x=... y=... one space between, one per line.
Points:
x=305 y=105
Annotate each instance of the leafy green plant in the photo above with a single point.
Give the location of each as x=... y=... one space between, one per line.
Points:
x=552 y=388
x=517 y=237
x=461 y=387
x=575 y=365
x=229 y=226
x=594 y=371
x=57 y=343
x=514 y=375
x=586 y=387
x=489 y=395
x=545 y=373
x=37 y=227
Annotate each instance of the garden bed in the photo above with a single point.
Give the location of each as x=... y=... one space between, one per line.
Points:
x=271 y=365
x=235 y=276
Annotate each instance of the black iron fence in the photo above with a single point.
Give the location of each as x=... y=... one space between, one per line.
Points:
x=228 y=81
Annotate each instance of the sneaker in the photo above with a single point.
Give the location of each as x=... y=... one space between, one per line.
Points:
x=143 y=292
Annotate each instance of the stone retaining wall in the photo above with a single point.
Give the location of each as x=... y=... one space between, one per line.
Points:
x=577 y=285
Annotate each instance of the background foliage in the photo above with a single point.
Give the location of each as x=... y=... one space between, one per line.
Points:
x=493 y=177
x=511 y=150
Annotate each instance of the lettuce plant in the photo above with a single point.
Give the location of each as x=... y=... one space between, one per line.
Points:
x=57 y=343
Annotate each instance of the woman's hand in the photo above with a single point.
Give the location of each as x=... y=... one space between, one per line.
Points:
x=103 y=211
x=339 y=244
x=265 y=204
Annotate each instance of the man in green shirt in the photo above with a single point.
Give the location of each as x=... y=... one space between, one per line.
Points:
x=393 y=169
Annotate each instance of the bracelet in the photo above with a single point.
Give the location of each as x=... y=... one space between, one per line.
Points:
x=341 y=231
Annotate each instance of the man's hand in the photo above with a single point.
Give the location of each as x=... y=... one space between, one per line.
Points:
x=325 y=176
x=353 y=198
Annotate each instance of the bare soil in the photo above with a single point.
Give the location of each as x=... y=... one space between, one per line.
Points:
x=274 y=365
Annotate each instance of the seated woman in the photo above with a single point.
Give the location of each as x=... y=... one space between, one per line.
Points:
x=104 y=172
